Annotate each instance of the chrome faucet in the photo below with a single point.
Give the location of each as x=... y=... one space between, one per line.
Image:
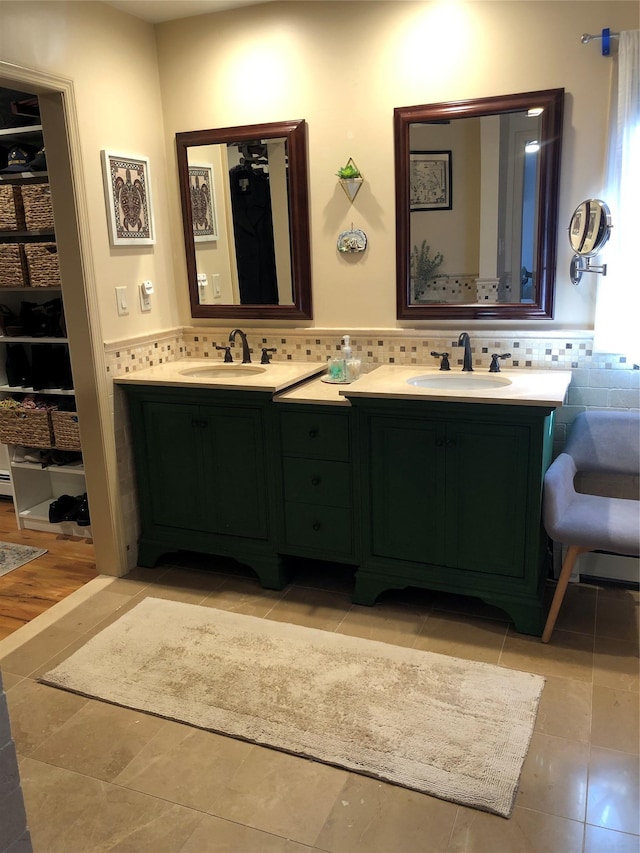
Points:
x=246 y=354
x=464 y=340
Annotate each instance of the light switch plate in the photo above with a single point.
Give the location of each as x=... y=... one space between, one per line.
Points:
x=145 y=290
x=121 y=301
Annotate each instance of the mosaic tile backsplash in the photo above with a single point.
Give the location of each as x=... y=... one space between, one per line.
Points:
x=598 y=380
x=373 y=347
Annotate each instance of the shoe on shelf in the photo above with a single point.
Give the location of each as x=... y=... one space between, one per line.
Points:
x=82 y=517
x=64 y=508
x=65 y=457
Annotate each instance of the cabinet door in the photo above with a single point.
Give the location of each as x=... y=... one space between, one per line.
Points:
x=486 y=497
x=172 y=467
x=234 y=488
x=407 y=489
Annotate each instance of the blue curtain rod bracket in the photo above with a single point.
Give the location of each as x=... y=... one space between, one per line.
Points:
x=606 y=35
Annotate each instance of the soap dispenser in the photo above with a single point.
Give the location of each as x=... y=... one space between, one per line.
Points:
x=351 y=365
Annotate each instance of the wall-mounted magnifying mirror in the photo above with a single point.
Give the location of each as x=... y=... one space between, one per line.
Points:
x=476 y=206
x=245 y=214
x=589 y=230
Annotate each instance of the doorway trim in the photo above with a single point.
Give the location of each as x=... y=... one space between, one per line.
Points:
x=66 y=177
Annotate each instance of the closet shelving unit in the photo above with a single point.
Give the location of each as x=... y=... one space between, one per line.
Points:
x=32 y=486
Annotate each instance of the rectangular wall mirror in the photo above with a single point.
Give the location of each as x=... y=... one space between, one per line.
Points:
x=245 y=216
x=477 y=206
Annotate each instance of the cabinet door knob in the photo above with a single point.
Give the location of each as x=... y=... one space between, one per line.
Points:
x=315 y=481
x=439 y=442
x=450 y=442
x=313 y=433
x=316 y=525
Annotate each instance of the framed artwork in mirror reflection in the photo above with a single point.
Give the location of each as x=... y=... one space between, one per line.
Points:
x=203 y=202
x=429 y=180
x=127 y=187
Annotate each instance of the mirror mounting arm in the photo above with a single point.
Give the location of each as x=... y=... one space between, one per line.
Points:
x=576 y=268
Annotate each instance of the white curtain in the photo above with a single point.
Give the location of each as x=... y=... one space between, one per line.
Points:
x=617 y=320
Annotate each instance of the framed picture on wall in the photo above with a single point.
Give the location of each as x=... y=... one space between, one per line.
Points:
x=203 y=203
x=127 y=187
x=430 y=180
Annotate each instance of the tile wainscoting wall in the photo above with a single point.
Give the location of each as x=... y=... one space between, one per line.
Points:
x=599 y=380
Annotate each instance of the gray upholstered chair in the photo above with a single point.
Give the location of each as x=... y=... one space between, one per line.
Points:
x=605 y=444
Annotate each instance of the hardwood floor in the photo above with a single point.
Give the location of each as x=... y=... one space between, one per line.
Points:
x=35 y=587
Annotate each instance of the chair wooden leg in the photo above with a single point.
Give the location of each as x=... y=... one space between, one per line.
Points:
x=573 y=553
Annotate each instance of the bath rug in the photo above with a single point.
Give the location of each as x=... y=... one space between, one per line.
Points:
x=13 y=556
x=452 y=728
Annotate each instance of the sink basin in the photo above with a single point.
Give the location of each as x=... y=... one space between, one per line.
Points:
x=223 y=371
x=459 y=381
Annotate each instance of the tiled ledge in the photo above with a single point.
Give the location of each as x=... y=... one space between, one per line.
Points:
x=562 y=349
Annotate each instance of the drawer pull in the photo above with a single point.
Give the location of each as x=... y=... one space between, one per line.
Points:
x=315 y=481
x=313 y=433
x=316 y=525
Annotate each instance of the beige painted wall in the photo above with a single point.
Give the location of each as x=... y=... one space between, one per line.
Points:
x=344 y=66
x=111 y=58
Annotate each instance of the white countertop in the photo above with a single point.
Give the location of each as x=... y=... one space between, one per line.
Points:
x=314 y=391
x=526 y=388
x=273 y=377
x=286 y=379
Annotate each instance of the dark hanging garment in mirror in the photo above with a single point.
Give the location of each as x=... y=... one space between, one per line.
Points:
x=253 y=233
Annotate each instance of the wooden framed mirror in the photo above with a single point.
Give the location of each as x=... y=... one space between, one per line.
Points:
x=477 y=207
x=245 y=214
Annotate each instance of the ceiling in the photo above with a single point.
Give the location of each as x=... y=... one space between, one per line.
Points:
x=157 y=11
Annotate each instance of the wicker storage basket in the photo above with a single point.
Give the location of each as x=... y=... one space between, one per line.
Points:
x=42 y=263
x=12 y=266
x=28 y=427
x=66 y=430
x=8 y=211
x=38 y=213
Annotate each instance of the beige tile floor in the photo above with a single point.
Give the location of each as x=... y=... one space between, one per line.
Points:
x=97 y=777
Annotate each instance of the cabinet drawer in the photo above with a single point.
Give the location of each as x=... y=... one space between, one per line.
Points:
x=317 y=482
x=316 y=435
x=323 y=528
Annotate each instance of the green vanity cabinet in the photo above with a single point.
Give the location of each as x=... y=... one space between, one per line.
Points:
x=414 y=492
x=452 y=501
x=316 y=479
x=202 y=470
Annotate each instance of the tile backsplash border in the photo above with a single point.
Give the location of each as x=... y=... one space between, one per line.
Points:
x=558 y=349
